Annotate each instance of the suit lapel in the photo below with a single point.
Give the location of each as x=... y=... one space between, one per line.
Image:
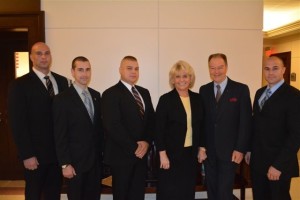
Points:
x=95 y=104
x=257 y=97
x=78 y=102
x=223 y=100
x=129 y=95
x=277 y=94
x=38 y=83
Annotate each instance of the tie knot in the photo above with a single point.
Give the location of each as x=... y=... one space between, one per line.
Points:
x=46 y=77
x=218 y=87
x=85 y=93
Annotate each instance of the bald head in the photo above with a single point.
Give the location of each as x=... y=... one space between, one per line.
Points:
x=41 y=58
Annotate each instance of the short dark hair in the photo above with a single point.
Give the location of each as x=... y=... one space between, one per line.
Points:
x=218 y=55
x=79 y=58
x=132 y=58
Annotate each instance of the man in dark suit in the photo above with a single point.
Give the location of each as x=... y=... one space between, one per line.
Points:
x=30 y=114
x=276 y=135
x=79 y=135
x=128 y=118
x=227 y=121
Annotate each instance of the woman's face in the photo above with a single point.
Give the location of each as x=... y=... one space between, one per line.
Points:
x=182 y=80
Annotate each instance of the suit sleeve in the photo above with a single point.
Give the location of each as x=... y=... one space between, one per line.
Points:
x=245 y=121
x=150 y=120
x=18 y=112
x=202 y=138
x=161 y=118
x=60 y=121
x=113 y=124
x=291 y=145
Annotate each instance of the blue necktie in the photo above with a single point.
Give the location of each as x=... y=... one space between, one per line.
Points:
x=88 y=104
x=263 y=101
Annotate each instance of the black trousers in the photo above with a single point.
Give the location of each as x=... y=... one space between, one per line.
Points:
x=128 y=180
x=179 y=181
x=85 y=185
x=264 y=189
x=219 y=176
x=44 y=183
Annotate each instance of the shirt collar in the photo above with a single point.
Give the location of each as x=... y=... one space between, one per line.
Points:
x=40 y=74
x=276 y=86
x=222 y=84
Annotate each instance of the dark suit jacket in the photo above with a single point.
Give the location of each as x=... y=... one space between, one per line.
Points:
x=228 y=122
x=30 y=115
x=171 y=123
x=276 y=131
x=78 y=139
x=123 y=123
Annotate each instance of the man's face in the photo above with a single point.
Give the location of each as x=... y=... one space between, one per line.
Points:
x=129 y=71
x=217 y=69
x=41 y=57
x=82 y=73
x=273 y=71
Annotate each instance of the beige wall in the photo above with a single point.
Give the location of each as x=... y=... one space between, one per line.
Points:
x=284 y=44
x=158 y=33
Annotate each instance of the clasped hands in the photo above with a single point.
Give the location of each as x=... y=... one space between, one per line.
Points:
x=141 y=149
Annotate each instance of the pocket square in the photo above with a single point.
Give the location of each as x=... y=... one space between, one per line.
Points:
x=233 y=99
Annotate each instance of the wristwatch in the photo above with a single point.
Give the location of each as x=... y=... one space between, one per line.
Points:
x=64 y=166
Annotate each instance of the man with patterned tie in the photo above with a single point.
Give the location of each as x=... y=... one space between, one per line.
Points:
x=128 y=118
x=227 y=127
x=79 y=134
x=30 y=114
x=276 y=135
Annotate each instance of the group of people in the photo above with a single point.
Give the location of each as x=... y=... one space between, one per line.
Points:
x=68 y=130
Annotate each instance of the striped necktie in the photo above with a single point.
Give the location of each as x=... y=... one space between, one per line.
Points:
x=49 y=86
x=138 y=101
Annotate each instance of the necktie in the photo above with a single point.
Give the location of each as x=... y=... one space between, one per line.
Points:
x=88 y=104
x=263 y=101
x=49 y=86
x=138 y=101
x=218 y=95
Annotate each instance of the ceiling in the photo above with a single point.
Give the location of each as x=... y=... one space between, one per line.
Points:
x=278 y=13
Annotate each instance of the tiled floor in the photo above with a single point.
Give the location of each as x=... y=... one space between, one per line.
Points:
x=7 y=193
x=13 y=190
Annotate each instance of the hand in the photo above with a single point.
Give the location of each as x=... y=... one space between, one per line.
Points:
x=237 y=157
x=273 y=174
x=69 y=172
x=141 y=149
x=248 y=157
x=164 y=160
x=201 y=154
x=31 y=163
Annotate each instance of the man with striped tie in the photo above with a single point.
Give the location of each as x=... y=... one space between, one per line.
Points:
x=128 y=119
x=30 y=114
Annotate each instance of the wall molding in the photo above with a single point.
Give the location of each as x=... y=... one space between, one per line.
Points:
x=289 y=29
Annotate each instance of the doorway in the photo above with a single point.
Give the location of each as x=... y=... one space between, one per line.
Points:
x=18 y=32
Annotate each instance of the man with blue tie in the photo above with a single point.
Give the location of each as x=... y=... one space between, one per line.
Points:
x=276 y=135
x=79 y=135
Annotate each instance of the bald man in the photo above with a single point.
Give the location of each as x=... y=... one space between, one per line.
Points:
x=30 y=114
x=276 y=135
